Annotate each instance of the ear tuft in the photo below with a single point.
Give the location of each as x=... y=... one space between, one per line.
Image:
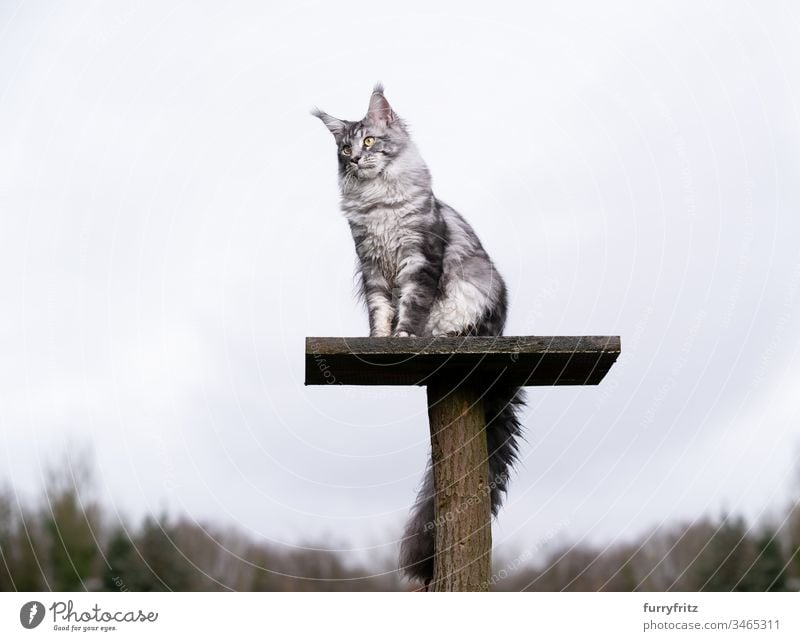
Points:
x=334 y=125
x=380 y=111
x=378 y=87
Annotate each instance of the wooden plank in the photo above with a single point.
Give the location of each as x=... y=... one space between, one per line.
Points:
x=516 y=360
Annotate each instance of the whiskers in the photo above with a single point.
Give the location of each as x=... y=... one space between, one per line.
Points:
x=366 y=170
x=348 y=180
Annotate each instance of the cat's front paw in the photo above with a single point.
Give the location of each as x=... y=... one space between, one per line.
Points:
x=446 y=333
x=404 y=334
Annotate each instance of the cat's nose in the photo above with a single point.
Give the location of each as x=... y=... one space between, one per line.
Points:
x=355 y=159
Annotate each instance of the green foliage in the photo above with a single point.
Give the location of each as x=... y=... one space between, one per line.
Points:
x=168 y=569
x=726 y=559
x=71 y=551
x=124 y=570
x=770 y=567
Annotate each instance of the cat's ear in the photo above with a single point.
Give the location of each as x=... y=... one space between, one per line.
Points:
x=334 y=125
x=380 y=111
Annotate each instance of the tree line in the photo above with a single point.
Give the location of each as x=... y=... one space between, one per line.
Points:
x=68 y=541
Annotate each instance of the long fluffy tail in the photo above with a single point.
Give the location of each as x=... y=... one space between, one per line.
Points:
x=503 y=428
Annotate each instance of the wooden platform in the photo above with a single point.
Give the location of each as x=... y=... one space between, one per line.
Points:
x=516 y=360
x=458 y=372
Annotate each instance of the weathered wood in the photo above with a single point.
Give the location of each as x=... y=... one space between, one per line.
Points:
x=463 y=514
x=457 y=370
x=517 y=360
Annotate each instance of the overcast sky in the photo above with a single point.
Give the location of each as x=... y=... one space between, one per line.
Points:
x=169 y=234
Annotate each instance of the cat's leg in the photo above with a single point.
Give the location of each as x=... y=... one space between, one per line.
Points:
x=379 y=302
x=416 y=283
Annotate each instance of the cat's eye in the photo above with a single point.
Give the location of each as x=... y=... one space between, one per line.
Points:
x=347 y=150
x=369 y=141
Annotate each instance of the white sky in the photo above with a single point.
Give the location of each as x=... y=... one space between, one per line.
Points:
x=169 y=233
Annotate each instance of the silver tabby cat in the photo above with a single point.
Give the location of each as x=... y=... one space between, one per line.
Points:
x=423 y=273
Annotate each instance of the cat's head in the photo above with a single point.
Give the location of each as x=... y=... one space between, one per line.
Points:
x=366 y=147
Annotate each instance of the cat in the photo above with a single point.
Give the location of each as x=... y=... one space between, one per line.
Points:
x=423 y=272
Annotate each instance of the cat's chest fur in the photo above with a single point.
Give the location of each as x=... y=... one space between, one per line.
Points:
x=380 y=235
x=383 y=221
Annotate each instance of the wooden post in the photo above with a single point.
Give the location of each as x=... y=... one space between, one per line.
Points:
x=456 y=371
x=462 y=502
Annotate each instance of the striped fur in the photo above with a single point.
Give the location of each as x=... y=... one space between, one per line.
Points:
x=423 y=273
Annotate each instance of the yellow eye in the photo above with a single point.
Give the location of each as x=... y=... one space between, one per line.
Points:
x=369 y=141
x=347 y=150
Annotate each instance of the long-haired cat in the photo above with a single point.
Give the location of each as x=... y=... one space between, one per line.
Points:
x=423 y=273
